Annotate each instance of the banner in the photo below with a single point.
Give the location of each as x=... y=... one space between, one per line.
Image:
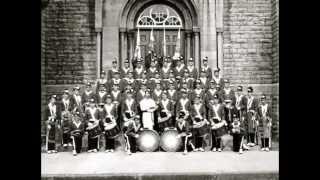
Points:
x=177 y=49
x=137 y=52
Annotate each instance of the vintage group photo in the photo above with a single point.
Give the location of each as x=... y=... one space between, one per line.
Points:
x=159 y=89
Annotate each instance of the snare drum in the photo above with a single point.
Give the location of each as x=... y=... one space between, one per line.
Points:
x=148 y=140
x=94 y=133
x=113 y=132
x=219 y=129
x=170 y=141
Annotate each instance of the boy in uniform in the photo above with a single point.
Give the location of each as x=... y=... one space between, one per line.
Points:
x=206 y=68
x=113 y=70
x=192 y=70
x=77 y=129
x=265 y=124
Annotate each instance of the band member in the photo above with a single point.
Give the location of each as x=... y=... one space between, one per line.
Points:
x=171 y=62
x=110 y=123
x=165 y=70
x=189 y=80
x=76 y=101
x=252 y=107
x=115 y=80
x=114 y=69
x=153 y=81
x=204 y=80
x=192 y=70
x=130 y=131
x=152 y=69
x=141 y=93
x=217 y=78
x=87 y=95
x=179 y=69
x=101 y=95
x=125 y=69
x=77 y=129
x=241 y=109
x=183 y=103
x=172 y=93
x=116 y=99
x=188 y=90
x=143 y=79
x=264 y=123
x=237 y=133
x=128 y=80
x=165 y=112
x=53 y=117
x=66 y=110
x=102 y=81
x=139 y=70
x=172 y=78
x=229 y=100
x=217 y=119
x=147 y=107
x=129 y=107
x=211 y=92
x=92 y=127
x=199 y=121
x=156 y=93
x=198 y=91
x=206 y=68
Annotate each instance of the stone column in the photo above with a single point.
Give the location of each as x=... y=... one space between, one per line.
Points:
x=123 y=46
x=188 y=50
x=197 y=58
x=131 y=46
x=98 y=28
x=219 y=29
x=208 y=31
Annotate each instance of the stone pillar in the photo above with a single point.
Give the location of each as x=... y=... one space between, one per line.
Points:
x=197 y=58
x=123 y=46
x=219 y=29
x=208 y=31
x=188 y=50
x=98 y=28
x=131 y=46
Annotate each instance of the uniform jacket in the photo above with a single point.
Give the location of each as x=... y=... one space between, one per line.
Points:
x=179 y=106
x=202 y=111
x=212 y=114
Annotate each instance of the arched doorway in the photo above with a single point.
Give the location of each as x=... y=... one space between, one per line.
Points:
x=183 y=11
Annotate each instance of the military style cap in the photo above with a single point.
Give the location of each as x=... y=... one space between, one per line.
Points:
x=234 y=115
x=108 y=96
x=217 y=85
x=205 y=59
x=114 y=61
x=126 y=61
x=181 y=57
x=103 y=72
x=186 y=71
x=215 y=96
x=76 y=88
x=239 y=88
x=158 y=82
x=53 y=96
x=198 y=81
x=226 y=81
x=183 y=90
x=212 y=81
x=263 y=97
x=101 y=104
x=147 y=91
x=91 y=100
x=217 y=70
x=190 y=59
x=65 y=91
x=88 y=84
x=170 y=82
x=250 y=89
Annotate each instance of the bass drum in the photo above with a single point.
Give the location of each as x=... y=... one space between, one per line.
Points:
x=148 y=140
x=170 y=141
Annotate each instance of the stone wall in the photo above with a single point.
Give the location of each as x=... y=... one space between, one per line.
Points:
x=251 y=47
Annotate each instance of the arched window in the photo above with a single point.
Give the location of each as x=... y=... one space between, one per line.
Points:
x=159 y=16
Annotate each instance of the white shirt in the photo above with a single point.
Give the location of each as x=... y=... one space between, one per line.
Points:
x=115 y=93
x=212 y=91
x=190 y=68
x=152 y=69
x=165 y=69
x=197 y=108
x=180 y=67
x=264 y=109
x=53 y=109
x=101 y=94
x=227 y=90
x=171 y=92
x=108 y=108
x=198 y=91
x=183 y=103
x=203 y=80
x=66 y=103
x=139 y=70
x=158 y=92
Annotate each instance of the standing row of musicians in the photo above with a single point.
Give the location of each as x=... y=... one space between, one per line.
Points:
x=173 y=96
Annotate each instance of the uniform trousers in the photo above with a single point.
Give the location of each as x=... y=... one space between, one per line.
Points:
x=78 y=143
x=66 y=138
x=216 y=141
x=264 y=142
x=236 y=141
x=92 y=143
x=109 y=143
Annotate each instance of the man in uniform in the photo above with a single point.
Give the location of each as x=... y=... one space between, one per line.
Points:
x=217 y=78
x=87 y=95
x=66 y=110
x=204 y=80
x=92 y=124
x=53 y=117
x=179 y=69
x=265 y=123
x=252 y=107
x=102 y=81
x=125 y=69
x=139 y=70
x=198 y=91
x=192 y=70
x=165 y=112
x=152 y=70
x=76 y=101
x=114 y=69
x=206 y=68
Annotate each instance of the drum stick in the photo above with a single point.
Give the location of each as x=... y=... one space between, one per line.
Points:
x=74 y=145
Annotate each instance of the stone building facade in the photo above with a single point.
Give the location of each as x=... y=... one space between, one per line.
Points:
x=79 y=38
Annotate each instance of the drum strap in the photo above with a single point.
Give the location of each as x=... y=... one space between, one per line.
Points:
x=183 y=104
x=197 y=108
x=108 y=109
x=215 y=109
x=165 y=104
x=92 y=111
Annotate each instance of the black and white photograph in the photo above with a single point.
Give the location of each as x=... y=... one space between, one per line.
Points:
x=160 y=89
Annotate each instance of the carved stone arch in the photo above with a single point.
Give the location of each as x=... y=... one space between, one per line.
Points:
x=187 y=10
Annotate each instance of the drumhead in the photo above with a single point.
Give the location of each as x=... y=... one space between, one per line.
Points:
x=148 y=140
x=169 y=141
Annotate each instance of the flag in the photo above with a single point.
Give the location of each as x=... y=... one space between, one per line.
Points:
x=164 y=42
x=151 y=43
x=137 y=52
x=177 y=50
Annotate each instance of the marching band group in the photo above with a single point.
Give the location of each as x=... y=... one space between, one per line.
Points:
x=157 y=96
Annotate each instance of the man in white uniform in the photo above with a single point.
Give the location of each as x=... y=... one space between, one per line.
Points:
x=148 y=106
